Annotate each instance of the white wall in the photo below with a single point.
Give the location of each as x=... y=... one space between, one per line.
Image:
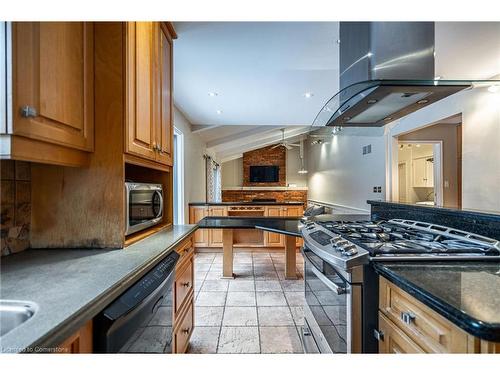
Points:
x=292 y=167
x=194 y=164
x=232 y=173
x=340 y=174
x=480 y=111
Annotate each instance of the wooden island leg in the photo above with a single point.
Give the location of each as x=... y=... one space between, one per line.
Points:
x=290 y=261
x=227 y=255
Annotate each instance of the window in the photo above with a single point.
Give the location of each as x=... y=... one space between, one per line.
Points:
x=178 y=177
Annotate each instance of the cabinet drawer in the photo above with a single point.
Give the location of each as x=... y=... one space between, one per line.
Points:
x=184 y=250
x=183 y=286
x=425 y=327
x=184 y=331
x=394 y=341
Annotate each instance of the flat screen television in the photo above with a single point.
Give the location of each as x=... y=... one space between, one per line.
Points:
x=264 y=173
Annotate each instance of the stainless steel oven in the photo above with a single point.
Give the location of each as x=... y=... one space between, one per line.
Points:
x=333 y=308
x=143 y=206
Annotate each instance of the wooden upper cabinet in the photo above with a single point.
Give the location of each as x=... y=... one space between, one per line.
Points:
x=53 y=82
x=140 y=88
x=149 y=128
x=165 y=126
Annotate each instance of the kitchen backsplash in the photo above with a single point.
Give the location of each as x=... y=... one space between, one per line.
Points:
x=15 y=196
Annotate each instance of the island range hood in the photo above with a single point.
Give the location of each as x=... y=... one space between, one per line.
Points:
x=386 y=72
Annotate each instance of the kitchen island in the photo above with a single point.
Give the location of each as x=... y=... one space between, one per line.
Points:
x=289 y=227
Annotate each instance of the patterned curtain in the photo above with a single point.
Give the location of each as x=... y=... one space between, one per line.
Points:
x=214 y=191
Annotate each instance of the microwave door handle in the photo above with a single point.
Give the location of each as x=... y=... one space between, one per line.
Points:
x=325 y=280
x=160 y=212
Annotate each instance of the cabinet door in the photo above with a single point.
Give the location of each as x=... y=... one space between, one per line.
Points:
x=80 y=342
x=274 y=239
x=140 y=89
x=201 y=235
x=394 y=340
x=215 y=235
x=419 y=173
x=53 y=82
x=293 y=211
x=165 y=127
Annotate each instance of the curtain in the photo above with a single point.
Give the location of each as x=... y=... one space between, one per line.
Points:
x=213 y=180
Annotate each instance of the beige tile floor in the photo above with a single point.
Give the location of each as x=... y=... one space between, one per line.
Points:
x=257 y=312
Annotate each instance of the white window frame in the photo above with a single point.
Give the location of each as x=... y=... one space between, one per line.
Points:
x=179 y=216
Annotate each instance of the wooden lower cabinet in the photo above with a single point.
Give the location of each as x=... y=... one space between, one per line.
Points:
x=408 y=326
x=183 y=290
x=80 y=342
x=183 y=330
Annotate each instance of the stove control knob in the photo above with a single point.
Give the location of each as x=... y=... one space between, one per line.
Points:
x=350 y=251
x=335 y=240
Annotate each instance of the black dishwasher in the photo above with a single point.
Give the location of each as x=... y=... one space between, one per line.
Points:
x=140 y=320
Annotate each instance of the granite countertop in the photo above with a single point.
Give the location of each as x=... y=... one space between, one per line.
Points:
x=247 y=203
x=467 y=293
x=72 y=286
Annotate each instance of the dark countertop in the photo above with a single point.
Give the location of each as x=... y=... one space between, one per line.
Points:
x=493 y=214
x=247 y=203
x=284 y=225
x=72 y=286
x=467 y=293
x=289 y=226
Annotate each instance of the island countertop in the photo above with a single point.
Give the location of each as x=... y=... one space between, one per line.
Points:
x=467 y=293
x=284 y=225
x=72 y=286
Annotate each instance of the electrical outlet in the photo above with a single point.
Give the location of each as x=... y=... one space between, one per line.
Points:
x=374 y=189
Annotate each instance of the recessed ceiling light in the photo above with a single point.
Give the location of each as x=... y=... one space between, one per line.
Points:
x=212 y=93
x=219 y=111
x=372 y=101
x=308 y=95
x=347 y=118
x=388 y=119
x=437 y=78
x=494 y=88
x=423 y=101
x=302 y=171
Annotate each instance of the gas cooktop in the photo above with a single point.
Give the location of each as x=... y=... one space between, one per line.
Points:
x=398 y=238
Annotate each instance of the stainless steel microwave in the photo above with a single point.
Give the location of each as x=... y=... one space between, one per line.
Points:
x=143 y=206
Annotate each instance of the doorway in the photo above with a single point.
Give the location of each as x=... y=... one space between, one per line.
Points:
x=419 y=173
x=433 y=157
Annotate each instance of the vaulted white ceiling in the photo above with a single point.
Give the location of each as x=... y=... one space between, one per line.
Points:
x=259 y=70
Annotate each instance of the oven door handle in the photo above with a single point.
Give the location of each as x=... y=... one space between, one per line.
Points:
x=325 y=280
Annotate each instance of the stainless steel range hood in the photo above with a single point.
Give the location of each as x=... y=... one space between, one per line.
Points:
x=387 y=72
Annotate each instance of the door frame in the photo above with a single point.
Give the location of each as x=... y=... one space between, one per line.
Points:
x=437 y=151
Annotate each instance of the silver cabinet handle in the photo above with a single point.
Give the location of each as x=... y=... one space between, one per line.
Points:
x=28 y=111
x=379 y=335
x=407 y=317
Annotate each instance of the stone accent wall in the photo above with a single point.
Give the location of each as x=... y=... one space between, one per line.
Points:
x=15 y=196
x=280 y=196
x=265 y=156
